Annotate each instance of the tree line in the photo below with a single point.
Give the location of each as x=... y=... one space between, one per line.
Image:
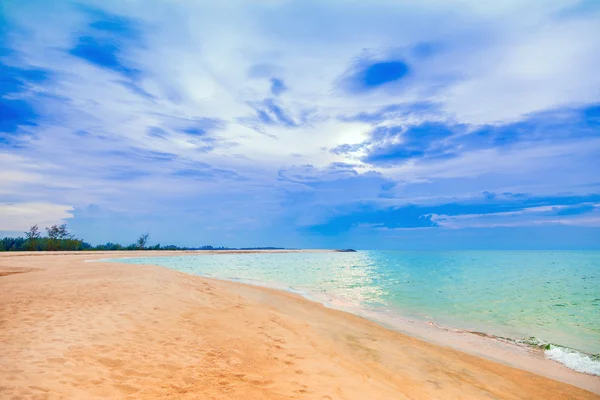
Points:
x=58 y=238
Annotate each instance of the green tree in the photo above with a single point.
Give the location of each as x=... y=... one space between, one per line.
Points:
x=33 y=236
x=53 y=234
x=59 y=238
x=63 y=232
x=66 y=241
x=142 y=241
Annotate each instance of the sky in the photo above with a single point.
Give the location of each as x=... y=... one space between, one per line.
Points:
x=385 y=124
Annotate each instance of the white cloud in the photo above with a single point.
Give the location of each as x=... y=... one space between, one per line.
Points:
x=21 y=216
x=532 y=216
x=545 y=66
x=497 y=61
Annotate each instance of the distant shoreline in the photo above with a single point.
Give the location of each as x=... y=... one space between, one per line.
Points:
x=155 y=253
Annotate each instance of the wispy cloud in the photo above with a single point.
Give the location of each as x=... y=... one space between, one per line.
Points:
x=17 y=218
x=579 y=215
x=211 y=112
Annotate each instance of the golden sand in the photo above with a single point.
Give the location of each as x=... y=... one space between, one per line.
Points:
x=76 y=330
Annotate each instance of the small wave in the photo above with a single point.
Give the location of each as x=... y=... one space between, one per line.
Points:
x=571 y=358
x=578 y=361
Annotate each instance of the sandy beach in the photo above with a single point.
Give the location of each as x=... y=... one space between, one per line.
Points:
x=71 y=329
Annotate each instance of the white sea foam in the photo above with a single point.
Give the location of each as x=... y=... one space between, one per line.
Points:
x=575 y=360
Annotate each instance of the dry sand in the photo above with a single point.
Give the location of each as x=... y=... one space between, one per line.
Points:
x=77 y=330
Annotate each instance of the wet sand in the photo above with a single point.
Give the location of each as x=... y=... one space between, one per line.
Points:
x=78 y=330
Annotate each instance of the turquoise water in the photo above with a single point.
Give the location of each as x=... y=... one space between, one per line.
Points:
x=553 y=296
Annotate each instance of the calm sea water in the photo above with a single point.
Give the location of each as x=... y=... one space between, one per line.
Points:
x=552 y=296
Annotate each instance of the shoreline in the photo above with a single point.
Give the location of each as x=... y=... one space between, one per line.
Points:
x=361 y=342
x=508 y=351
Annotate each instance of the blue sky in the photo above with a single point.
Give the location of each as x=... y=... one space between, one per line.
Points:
x=382 y=124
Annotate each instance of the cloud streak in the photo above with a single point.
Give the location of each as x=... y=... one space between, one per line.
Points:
x=160 y=110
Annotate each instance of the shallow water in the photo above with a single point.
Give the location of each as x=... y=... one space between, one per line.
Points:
x=553 y=296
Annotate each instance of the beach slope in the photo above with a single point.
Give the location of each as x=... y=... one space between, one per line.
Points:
x=87 y=330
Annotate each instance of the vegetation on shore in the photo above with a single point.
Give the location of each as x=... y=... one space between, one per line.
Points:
x=58 y=238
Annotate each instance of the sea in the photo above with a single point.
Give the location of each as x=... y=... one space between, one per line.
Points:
x=544 y=299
